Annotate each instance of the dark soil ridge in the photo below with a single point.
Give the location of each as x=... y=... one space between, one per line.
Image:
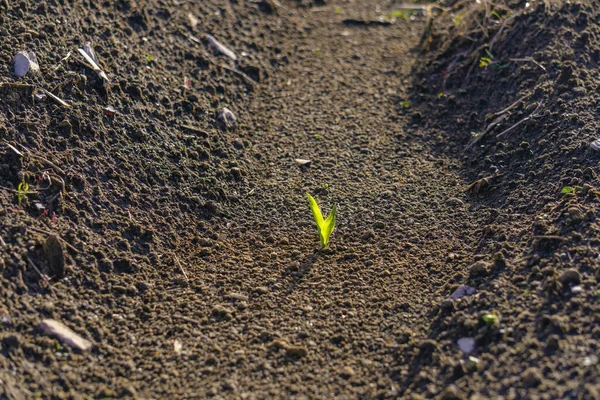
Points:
x=259 y=312
x=544 y=241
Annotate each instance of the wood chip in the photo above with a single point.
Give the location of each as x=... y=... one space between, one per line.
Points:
x=63 y=333
x=302 y=161
x=221 y=48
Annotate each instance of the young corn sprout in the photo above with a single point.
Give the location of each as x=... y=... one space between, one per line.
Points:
x=325 y=227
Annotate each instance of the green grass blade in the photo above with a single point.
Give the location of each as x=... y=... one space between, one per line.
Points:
x=315 y=210
x=325 y=227
x=328 y=227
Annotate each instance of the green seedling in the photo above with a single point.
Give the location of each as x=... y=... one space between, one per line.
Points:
x=405 y=104
x=338 y=10
x=397 y=14
x=484 y=62
x=570 y=189
x=22 y=191
x=490 y=318
x=457 y=20
x=324 y=226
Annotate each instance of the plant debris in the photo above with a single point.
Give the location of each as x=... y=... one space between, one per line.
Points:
x=65 y=334
x=221 y=48
x=90 y=56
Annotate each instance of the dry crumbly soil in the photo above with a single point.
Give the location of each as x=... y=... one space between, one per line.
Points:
x=185 y=252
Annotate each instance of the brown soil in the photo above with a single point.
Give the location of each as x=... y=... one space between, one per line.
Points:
x=185 y=252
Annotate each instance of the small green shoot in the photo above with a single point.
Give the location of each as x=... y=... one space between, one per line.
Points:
x=325 y=227
x=490 y=318
x=457 y=20
x=405 y=104
x=149 y=58
x=338 y=10
x=597 y=292
x=317 y=52
x=570 y=189
x=22 y=191
x=397 y=14
x=484 y=62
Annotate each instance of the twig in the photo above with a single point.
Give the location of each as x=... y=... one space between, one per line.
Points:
x=494 y=123
x=550 y=237
x=521 y=121
x=56 y=98
x=235 y=71
x=513 y=105
x=493 y=41
x=186 y=319
x=45 y=278
x=69 y=245
x=40 y=158
x=2 y=242
x=182 y=270
x=528 y=59
x=194 y=129
x=13 y=148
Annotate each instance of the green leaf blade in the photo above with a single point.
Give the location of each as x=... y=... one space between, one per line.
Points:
x=315 y=210
x=328 y=227
x=325 y=227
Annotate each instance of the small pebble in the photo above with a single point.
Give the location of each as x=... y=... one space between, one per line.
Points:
x=531 y=377
x=570 y=277
x=466 y=344
x=227 y=117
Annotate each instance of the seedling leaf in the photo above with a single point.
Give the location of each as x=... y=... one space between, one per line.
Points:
x=490 y=318
x=325 y=227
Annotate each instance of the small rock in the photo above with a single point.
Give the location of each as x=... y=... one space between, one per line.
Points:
x=12 y=340
x=480 y=268
x=462 y=290
x=379 y=225
x=570 y=277
x=291 y=350
x=143 y=286
x=347 y=372
x=177 y=346
x=223 y=311
x=466 y=344
x=576 y=289
x=65 y=335
x=302 y=161
x=552 y=343
x=261 y=290
x=531 y=377
x=454 y=202
x=48 y=307
x=24 y=62
x=55 y=255
x=236 y=173
x=227 y=117
x=447 y=305
x=450 y=393
x=237 y=296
